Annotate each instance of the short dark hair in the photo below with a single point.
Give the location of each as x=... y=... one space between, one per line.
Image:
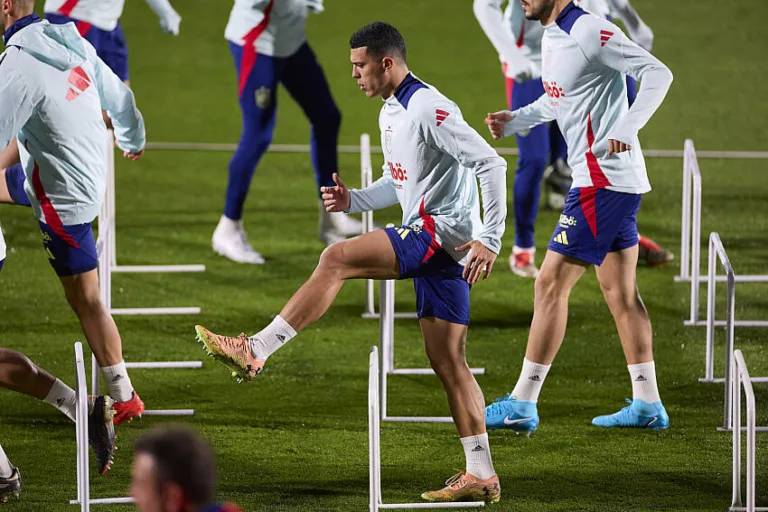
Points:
x=181 y=457
x=380 y=39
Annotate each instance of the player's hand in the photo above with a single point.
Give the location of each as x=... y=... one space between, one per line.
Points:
x=495 y=122
x=615 y=146
x=335 y=199
x=480 y=260
x=170 y=22
x=133 y=156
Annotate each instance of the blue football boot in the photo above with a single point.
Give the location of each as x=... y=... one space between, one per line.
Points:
x=638 y=414
x=510 y=413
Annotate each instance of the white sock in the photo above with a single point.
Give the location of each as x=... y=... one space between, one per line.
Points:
x=118 y=382
x=644 y=385
x=63 y=398
x=531 y=379
x=478 y=454
x=272 y=337
x=6 y=468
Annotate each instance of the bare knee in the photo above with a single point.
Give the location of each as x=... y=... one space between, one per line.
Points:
x=333 y=260
x=447 y=366
x=549 y=288
x=621 y=298
x=83 y=301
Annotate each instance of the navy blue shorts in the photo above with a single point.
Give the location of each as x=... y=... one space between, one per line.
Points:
x=14 y=180
x=71 y=250
x=594 y=222
x=441 y=291
x=2 y=262
x=110 y=45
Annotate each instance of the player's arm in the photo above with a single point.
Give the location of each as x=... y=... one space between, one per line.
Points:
x=169 y=18
x=378 y=195
x=505 y=123
x=17 y=105
x=490 y=17
x=638 y=31
x=621 y=54
x=119 y=103
x=459 y=140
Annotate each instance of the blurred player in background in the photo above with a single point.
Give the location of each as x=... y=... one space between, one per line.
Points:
x=268 y=42
x=585 y=62
x=174 y=470
x=98 y=21
x=53 y=88
x=433 y=161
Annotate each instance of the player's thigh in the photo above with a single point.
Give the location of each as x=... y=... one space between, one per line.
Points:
x=617 y=274
x=559 y=272
x=72 y=253
x=444 y=341
x=368 y=256
x=112 y=49
x=305 y=81
x=258 y=76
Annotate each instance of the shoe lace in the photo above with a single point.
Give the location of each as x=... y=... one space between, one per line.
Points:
x=497 y=404
x=235 y=344
x=457 y=481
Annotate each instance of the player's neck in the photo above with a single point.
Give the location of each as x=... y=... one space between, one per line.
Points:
x=398 y=75
x=558 y=7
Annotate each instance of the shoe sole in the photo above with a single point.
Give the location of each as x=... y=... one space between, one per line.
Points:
x=108 y=417
x=225 y=255
x=475 y=495
x=237 y=372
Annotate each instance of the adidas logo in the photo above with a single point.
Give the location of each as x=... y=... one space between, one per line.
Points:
x=60 y=402
x=117 y=378
x=605 y=36
x=640 y=378
x=478 y=448
x=561 y=238
x=440 y=116
x=80 y=81
x=281 y=337
x=535 y=378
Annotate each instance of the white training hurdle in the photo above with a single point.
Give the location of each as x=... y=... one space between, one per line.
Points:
x=81 y=440
x=717 y=251
x=690 y=240
x=105 y=247
x=366 y=178
x=374 y=449
x=387 y=342
x=107 y=222
x=741 y=378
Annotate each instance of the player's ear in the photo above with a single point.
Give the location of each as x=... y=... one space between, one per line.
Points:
x=387 y=63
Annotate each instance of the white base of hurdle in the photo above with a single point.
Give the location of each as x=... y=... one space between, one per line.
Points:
x=387 y=341
x=155 y=311
x=81 y=439
x=148 y=269
x=374 y=449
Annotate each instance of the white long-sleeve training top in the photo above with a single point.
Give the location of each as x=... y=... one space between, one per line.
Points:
x=585 y=58
x=433 y=160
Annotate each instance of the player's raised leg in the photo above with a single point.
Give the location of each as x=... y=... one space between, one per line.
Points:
x=517 y=411
x=445 y=343
x=619 y=286
x=258 y=76
x=368 y=256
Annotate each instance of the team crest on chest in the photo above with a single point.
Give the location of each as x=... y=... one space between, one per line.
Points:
x=263 y=97
x=388 y=140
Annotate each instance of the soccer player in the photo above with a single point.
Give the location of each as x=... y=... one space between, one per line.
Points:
x=174 y=470
x=432 y=161
x=585 y=58
x=98 y=21
x=54 y=88
x=268 y=42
